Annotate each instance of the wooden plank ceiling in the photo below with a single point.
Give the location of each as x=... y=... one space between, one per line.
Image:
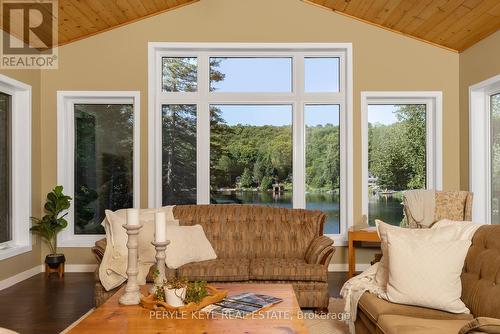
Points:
x=82 y=18
x=454 y=24
x=78 y=19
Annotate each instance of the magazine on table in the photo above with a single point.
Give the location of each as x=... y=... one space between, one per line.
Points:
x=242 y=305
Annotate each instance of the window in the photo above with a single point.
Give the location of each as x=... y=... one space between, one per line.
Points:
x=495 y=156
x=323 y=162
x=98 y=150
x=5 y=224
x=401 y=150
x=252 y=124
x=179 y=154
x=15 y=167
x=484 y=150
x=251 y=154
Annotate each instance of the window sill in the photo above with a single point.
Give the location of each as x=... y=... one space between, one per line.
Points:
x=338 y=239
x=79 y=240
x=13 y=250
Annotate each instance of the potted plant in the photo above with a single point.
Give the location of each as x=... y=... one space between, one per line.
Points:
x=175 y=291
x=52 y=223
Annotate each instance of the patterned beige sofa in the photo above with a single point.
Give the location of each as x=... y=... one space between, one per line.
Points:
x=257 y=244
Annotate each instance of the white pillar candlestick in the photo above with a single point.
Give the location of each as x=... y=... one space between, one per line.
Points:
x=160 y=264
x=160 y=227
x=132 y=295
x=133 y=216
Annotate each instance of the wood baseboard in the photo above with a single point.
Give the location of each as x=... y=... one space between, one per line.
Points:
x=345 y=267
x=69 y=268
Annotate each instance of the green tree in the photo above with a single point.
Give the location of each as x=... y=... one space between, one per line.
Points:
x=397 y=151
x=246 y=179
x=266 y=183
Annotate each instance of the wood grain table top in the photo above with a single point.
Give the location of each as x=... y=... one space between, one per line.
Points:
x=282 y=318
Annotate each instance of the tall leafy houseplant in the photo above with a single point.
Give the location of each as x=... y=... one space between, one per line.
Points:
x=52 y=223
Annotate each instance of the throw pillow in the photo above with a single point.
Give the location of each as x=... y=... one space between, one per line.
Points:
x=382 y=274
x=440 y=232
x=187 y=244
x=426 y=273
x=118 y=235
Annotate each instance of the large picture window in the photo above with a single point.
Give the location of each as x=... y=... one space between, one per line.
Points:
x=251 y=124
x=15 y=167
x=5 y=161
x=103 y=152
x=484 y=150
x=401 y=150
x=494 y=110
x=97 y=150
x=396 y=158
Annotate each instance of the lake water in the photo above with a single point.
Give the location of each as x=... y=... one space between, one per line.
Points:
x=386 y=208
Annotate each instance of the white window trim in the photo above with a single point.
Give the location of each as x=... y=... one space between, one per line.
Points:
x=434 y=127
x=65 y=152
x=156 y=50
x=20 y=197
x=480 y=147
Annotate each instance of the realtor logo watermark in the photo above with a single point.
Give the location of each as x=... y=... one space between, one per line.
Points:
x=29 y=32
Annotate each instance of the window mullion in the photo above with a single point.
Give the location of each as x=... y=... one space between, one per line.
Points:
x=298 y=164
x=203 y=132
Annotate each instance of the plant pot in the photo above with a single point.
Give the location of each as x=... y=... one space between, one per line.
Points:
x=54 y=260
x=175 y=297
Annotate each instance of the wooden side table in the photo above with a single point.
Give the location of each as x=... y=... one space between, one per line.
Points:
x=364 y=234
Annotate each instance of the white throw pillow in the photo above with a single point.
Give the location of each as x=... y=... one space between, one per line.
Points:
x=187 y=244
x=426 y=273
x=382 y=275
x=441 y=231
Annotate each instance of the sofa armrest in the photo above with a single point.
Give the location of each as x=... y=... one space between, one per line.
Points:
x=98 y=249
x=481 y=325
x=320 y=251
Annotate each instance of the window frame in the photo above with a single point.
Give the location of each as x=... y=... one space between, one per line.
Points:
x=480 y=147
x=65 y=152
x=434 y=140
x=20 y=167
x=297 y=98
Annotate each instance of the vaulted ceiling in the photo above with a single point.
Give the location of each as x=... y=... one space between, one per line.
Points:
x=453 y=24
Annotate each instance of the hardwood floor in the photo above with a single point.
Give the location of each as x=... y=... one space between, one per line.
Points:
x=39 y=305
x=335 y=282
x=42 y=306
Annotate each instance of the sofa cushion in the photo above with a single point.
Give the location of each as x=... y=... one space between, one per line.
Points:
x=286 y=269
x=374 y=307
x=398 y=324
x=219 y=270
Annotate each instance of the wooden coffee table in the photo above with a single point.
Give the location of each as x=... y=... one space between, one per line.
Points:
x=281 y=318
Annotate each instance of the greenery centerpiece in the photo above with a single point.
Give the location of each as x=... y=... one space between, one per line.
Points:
x=52 y=223
x=175 y=291
x=180 y=289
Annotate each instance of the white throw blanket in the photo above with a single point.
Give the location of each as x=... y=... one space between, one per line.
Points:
x=354 y=288
x=421 y=204
x=113 y=268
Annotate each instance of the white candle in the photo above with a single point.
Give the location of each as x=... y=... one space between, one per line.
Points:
x=133 y=216
x=160 y=227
